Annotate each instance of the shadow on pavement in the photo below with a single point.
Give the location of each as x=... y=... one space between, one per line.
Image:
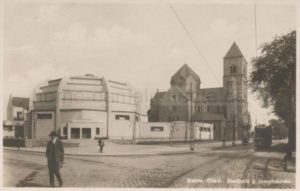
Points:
x=281 y=147
x=236 y=147
x=26 y=182
x=30 y=184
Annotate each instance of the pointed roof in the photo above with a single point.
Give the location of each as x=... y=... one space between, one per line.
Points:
x=184 y=72
x=234 y=51
x=20 y=102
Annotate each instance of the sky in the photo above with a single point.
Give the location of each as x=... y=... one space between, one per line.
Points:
x=142 y=44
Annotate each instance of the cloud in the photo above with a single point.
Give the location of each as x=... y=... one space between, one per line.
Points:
x=176 y=54
x=25 y=49
x=38 y=74
x=116 y=36
x=74 y=33
x=48 y=14
x=222 y=28
x=18 y=59
x=77 y=40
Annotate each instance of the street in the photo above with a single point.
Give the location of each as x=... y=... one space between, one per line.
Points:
x=232 y=167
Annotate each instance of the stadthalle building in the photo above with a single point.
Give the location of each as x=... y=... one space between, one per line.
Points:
x=226 y=107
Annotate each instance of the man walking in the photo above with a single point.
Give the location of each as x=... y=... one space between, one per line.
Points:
x=55 y=158
x=101 y=144
x=19 y=142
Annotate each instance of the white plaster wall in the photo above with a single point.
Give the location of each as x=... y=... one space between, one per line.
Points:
x=145 y=130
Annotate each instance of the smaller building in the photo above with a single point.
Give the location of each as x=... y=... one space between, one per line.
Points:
x=203 y=131
x=8 y=129
x=17 y=109
x=174 y=131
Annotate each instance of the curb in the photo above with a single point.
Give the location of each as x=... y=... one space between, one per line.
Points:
x=109 y=155
x=124 y=155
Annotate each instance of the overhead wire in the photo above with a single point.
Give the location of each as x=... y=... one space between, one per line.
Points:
x=255 y=29
x=191 y=38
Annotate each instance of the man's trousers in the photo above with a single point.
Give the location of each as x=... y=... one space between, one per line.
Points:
x=54 y=167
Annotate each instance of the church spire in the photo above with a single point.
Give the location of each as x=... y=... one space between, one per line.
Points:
x=234 y=51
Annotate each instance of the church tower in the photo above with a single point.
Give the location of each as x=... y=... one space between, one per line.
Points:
x=235 y=88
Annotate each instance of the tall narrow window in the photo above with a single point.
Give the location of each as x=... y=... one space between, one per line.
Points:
x=233 y=69
x=20 y=115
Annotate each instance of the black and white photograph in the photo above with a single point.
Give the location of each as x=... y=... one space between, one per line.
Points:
x=149 y=94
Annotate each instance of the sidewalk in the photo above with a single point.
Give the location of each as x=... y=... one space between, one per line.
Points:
x=91 y=148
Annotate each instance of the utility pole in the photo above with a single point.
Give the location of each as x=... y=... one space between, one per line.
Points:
x=235 y=116
x=224 y=139
x=190 y=121
x=225 y=118
x=134 y=129
x=172 y=131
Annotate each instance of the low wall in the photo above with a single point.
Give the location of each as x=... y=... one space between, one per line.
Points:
x=152 y=141
x=36 y=142
x=157 y=130
x=13 y=142
x=122 y=141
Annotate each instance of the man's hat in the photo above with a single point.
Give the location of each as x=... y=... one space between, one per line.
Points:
x=52 y=134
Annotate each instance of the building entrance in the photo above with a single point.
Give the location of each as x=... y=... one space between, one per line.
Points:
x=19 y=131
x=44 y=124
x=75 y=133
x=86 y=133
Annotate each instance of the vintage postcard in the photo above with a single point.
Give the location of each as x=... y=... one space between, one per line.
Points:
x=149 y=94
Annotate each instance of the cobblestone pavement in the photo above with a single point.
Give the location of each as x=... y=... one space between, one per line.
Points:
x=212 y=168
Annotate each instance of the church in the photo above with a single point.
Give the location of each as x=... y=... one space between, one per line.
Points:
x=225 y=107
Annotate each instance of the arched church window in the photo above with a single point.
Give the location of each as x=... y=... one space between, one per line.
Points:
x=233 y=69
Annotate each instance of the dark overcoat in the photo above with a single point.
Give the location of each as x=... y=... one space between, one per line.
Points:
x=55 y=152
